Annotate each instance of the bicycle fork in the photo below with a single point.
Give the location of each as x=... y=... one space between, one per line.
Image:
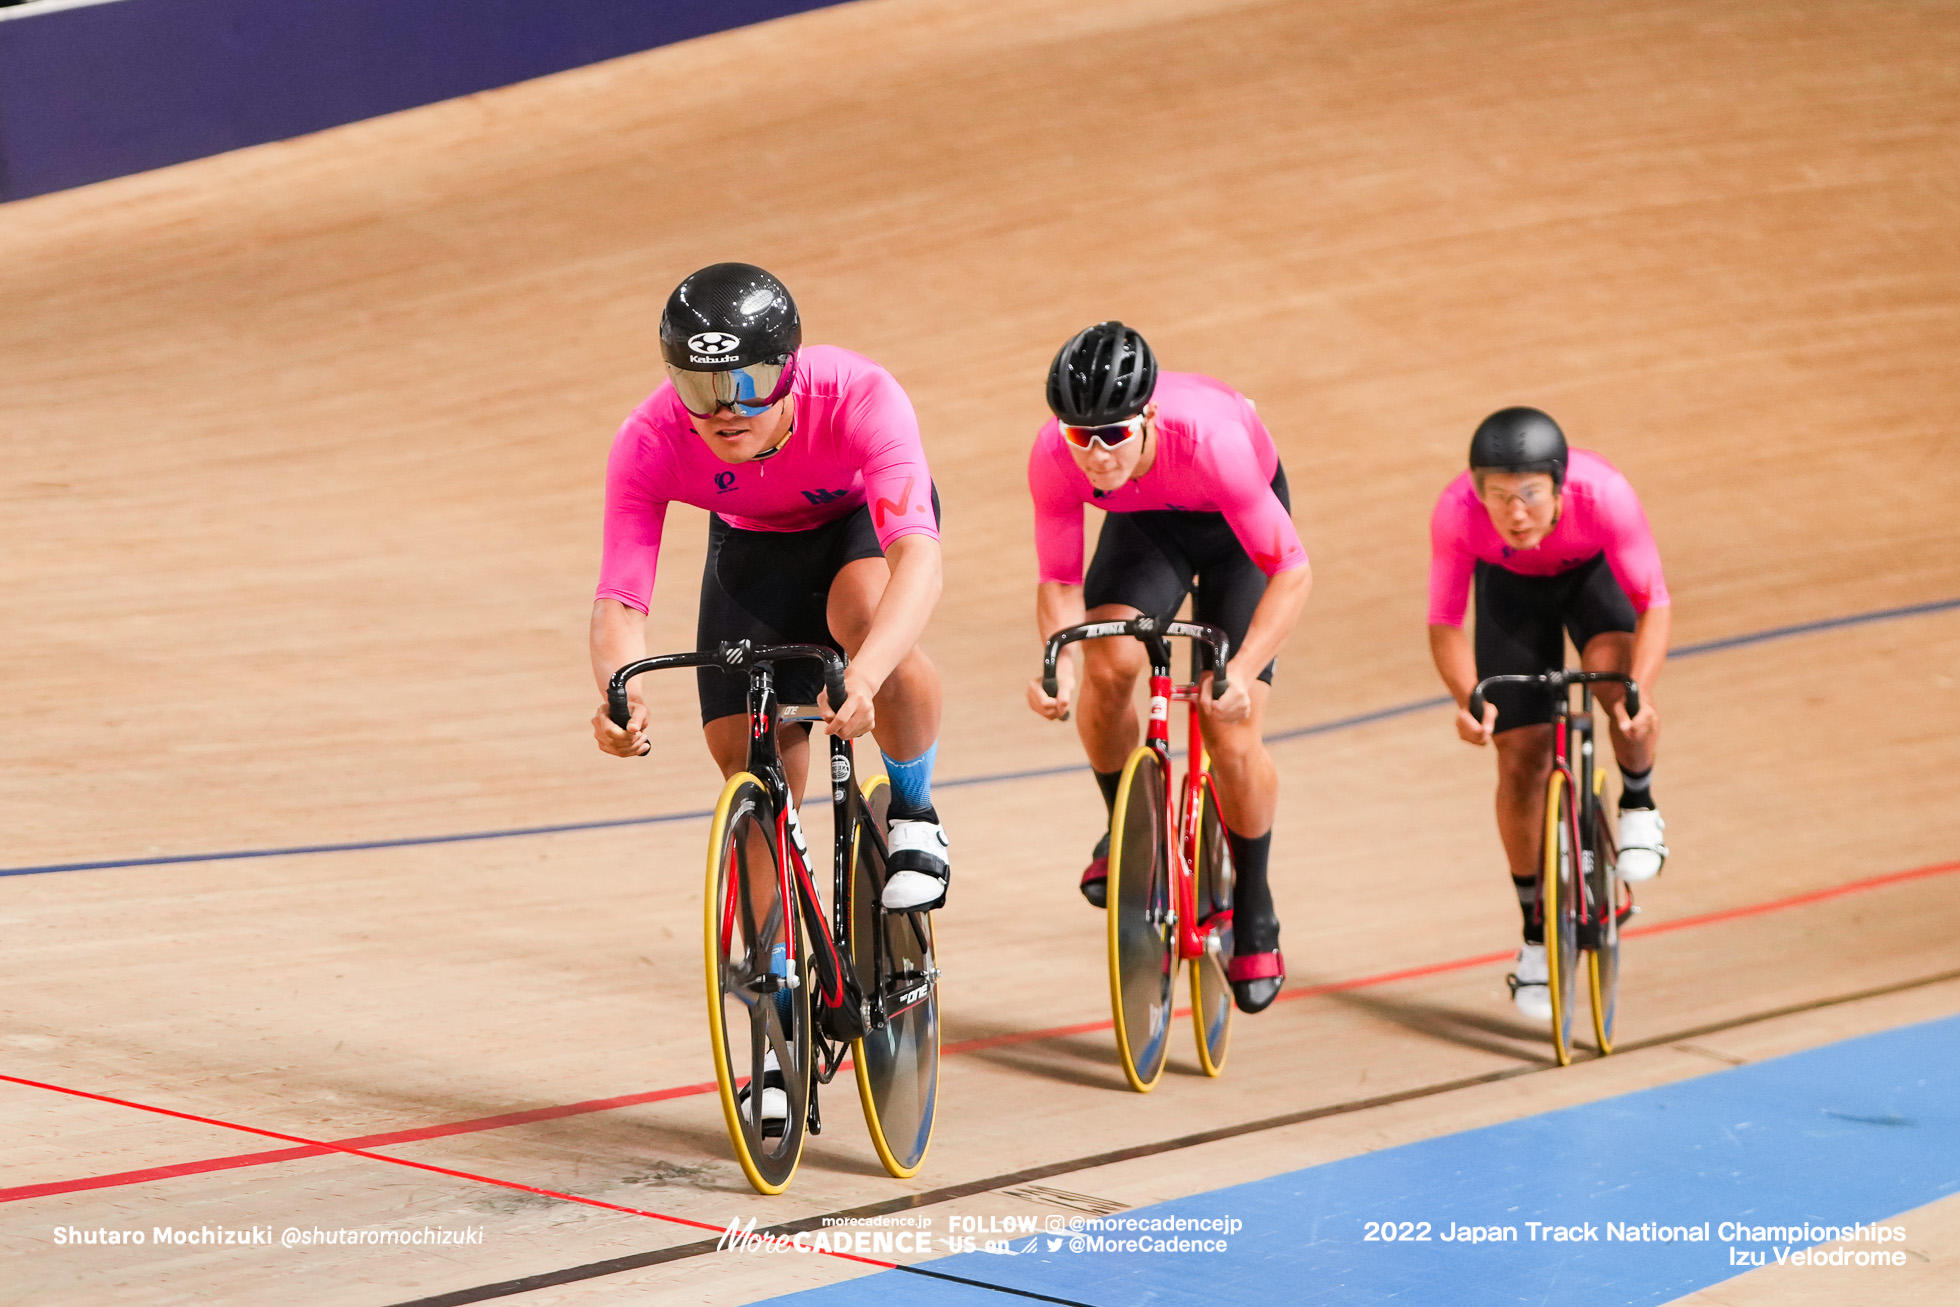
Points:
x=1181 y=822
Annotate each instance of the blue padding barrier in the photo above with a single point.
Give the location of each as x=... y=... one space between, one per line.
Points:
x=102 y=90
x=1641 y=1198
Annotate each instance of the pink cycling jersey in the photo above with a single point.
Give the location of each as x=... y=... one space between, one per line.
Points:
x=1598 y=511
x=855 y=441
x=1214 y=455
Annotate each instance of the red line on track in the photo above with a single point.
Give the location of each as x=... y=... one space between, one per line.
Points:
x=1798 y=900
x=359 y=1141
x=358 y=1144
x=324 y=1146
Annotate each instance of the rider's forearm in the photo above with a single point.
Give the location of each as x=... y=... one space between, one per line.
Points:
x=904 y=609
x=1455 y=663
x=1056 y=606
x=619 y=635
x=1650 y=635
x=1272 y=621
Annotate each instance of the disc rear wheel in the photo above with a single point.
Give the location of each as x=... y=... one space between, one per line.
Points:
x=1603 y=894
x=1211 y=991
x=1142 y=924
x=897 y=1061
x=758 y=991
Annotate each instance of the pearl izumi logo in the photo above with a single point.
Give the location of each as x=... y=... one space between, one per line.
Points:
x=714 y=344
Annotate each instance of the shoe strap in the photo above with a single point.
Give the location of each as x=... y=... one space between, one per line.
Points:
x=1256 y=966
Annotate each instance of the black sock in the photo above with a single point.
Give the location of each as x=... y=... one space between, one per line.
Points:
x=1636 y=789
x=1534 y=925
x=1107 y=781
x=1255 y=929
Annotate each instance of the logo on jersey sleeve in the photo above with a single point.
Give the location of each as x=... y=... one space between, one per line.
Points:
x=1281 y=551
x=881 y=507
x=714 y=344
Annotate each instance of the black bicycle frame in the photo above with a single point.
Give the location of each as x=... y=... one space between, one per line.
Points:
x=1585 y=804
x=843 y=1012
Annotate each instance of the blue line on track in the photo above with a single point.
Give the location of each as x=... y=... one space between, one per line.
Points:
x=1848 y=1135
x=1276 y=737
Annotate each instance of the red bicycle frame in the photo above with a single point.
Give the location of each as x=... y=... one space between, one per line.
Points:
x=1181 y=821
x=1183 y=840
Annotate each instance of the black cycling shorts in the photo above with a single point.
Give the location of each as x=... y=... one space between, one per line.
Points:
x=773 y=587
x=1151 y=560
x=1521 y=626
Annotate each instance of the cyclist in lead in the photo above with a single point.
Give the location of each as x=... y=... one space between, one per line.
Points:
x=1197 y=503
x=823 y=529
x=1554 y=541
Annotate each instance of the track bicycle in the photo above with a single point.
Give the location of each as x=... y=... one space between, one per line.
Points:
x=1169 y=894
x=802 y=985
x=1582 y=898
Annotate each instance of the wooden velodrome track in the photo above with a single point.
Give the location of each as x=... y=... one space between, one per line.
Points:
x=302 y=477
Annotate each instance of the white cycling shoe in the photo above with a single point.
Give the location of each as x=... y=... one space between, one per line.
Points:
x=774 y=1116
x=919 y=866
x=1642 y=852
x=1530 y=982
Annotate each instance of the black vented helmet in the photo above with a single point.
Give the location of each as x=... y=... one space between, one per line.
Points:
x=729 y=315
x=1519 y=440
x=1104 y=374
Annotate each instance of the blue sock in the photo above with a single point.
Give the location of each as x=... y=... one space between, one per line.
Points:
x=779 y=966
x=912 y=784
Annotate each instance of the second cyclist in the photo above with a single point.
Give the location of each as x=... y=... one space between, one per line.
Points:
x=1196 y=502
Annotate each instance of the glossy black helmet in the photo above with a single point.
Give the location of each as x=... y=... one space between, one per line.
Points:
x=729 y=315
x=1519 y=440
x=1104 y=374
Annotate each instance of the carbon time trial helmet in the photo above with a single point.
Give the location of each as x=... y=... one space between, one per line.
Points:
x=1519 y=440
x=729 y=334
x=1104 y=374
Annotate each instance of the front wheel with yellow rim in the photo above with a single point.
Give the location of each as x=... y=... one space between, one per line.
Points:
x=758 y=1001
x=1211 y=990
x=897 y=1060
x=1558 y=894
x=1142 y=923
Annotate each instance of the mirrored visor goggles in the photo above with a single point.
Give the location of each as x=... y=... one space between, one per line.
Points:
x=747 y=390
x=1111 y=436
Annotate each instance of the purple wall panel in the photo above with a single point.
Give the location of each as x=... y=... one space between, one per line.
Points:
x=109 y=89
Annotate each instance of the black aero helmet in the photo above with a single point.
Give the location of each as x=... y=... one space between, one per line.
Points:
x=1519 y=440
x=729 y=315
x=1104 y=374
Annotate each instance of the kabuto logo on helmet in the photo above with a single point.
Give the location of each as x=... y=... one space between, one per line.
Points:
x=713 y=343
